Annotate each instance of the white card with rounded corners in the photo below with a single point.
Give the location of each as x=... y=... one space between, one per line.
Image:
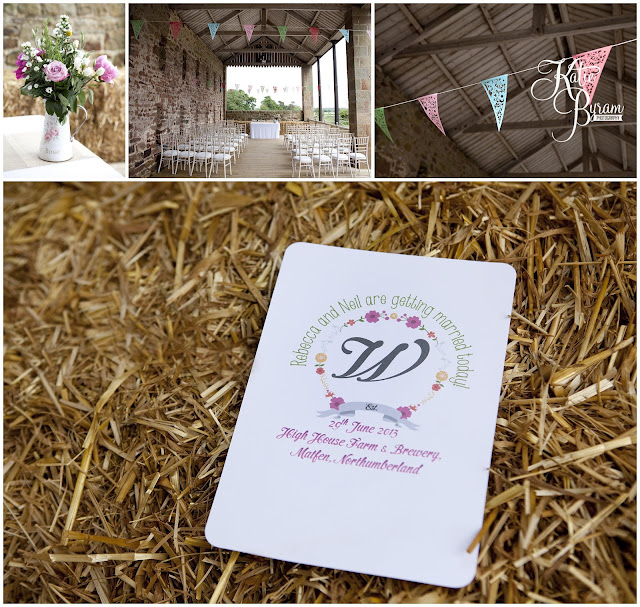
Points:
x=365 y=435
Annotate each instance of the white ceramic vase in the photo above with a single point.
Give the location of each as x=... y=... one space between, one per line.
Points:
x=55 y=143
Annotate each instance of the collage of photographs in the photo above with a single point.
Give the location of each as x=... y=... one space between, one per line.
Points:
x=320 y=303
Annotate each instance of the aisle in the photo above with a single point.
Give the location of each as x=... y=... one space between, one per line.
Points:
x=261 y=159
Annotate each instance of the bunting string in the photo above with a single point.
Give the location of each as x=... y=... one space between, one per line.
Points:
x=466 y=86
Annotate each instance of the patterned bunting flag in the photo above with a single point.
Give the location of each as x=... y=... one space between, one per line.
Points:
x=590 y=66
x=249 y=87
x=248 y=29
x=429 y=104
x=382 y=122
x=314 y=31
x=369 y=34
x=237 y=86
x=496 y=89
x=195 y=81
x=275 y=89
x=208 y=84
x=213 y=28
x=176 y=26
x=345 y=33
x=286 y=88
x=262 y=89
x=136 y=25
x=282 y=29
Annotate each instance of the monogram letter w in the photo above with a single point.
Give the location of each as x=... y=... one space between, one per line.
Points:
x=381 y=366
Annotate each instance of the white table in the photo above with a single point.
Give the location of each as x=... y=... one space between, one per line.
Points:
x=265 y=130
x=21 y=140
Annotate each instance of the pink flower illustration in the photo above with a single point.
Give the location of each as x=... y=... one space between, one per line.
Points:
x=406 y=412
x=319 y=370
x=431 y=334
x=372 y=316
x=351 y=322
x=336 y=402
x=413 y=322
x=436 y=387
x=56 y=71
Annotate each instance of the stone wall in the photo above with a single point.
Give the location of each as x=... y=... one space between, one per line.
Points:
x=170 y=84
x=102 y=24
x=359 y=70
x=419 y=149
x=249 y=115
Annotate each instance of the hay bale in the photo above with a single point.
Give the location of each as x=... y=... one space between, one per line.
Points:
x=132 y=314
x=104 y=132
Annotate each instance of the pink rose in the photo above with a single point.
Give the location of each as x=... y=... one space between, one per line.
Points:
x=56 y=71
x=109 y=73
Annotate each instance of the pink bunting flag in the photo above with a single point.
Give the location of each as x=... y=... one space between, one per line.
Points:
x=249 y=87
x=249 y=31
x=369 y=34
x=429 y=104
x=314 y=31
x=176 y=26
x=590 y=66
x=275 y=89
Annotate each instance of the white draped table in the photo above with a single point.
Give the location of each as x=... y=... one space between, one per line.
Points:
x=265 y=130
x=21 y=140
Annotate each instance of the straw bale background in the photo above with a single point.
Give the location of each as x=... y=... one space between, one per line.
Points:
x=104 y=131
x=132 y=313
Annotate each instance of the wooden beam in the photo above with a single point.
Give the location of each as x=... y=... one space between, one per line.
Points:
x=300 y=7
x=273 y=31
x=548 y=31
x=574 y=175
x=544 y=124
x=275 y=51
x=228 y=18
x=547 y=141
x=625 y=137
x=444 y=15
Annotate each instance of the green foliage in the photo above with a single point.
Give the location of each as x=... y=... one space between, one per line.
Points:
x=269 y=104
x=239 y=100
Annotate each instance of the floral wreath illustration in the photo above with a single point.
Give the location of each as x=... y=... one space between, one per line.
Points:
x=373 y=316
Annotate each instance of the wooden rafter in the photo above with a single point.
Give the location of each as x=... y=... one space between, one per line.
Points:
x=444 y=15
x=548 y=31
x=545 y=124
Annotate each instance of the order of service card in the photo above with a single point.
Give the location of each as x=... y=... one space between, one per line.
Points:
x=365 y=435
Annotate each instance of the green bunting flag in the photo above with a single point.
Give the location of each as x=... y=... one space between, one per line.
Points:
x=382 y=122
x=283 y=31
x=136 y=25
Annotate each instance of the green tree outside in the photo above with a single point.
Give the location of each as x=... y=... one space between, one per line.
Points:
x=239 y=100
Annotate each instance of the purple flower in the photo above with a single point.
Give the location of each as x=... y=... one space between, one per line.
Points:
x=21 y=62
x=372 y=316
x=413 y=322
x=105 y=70
x=56 y=71
x=406 y=412
x=336 y=402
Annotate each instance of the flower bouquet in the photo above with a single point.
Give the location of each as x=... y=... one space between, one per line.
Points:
x=57 y=69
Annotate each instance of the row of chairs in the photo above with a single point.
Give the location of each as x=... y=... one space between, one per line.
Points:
x=331 y=152
x=204 y=150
